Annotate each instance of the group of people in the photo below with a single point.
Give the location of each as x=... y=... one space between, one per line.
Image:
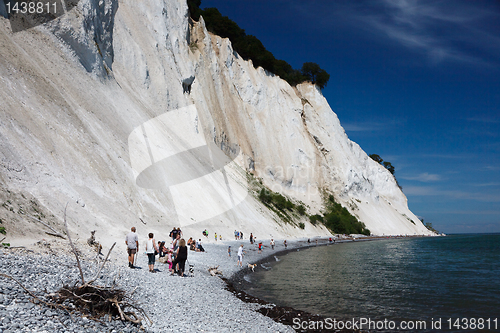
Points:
x=195 y=245
x=176 y=255
x=238 y=234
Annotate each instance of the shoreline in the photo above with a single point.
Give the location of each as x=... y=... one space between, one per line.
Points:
x=195 y=303
x=285 y=314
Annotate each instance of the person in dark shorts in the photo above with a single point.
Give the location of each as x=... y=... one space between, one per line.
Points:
x=151 y=250
x=132 y=241
x=180 y=257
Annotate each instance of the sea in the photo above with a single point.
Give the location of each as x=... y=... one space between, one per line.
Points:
x=428 y=284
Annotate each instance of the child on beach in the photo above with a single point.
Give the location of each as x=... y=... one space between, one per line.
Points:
x=229 y=250
x=169 y=259
x=272 y=244
x=216 y=237
x=260 y=247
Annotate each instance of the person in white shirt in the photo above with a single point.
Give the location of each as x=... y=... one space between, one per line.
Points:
x=151 y=250
x=240 y=256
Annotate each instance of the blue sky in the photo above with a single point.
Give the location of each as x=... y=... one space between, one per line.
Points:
x=417 y=82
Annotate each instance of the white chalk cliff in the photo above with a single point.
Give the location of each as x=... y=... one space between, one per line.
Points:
x=99 y=110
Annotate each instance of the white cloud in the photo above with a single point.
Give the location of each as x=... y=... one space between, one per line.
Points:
x=459 y=31
x=455 y=194
x=424 y=177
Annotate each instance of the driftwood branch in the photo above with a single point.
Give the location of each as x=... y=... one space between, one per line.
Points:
x=214 y=271
x=102 y=265
x=88 y=299
x=55 y=233
x=72 y=246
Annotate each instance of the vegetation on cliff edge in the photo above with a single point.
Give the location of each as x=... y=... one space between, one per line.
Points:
x=251 y=48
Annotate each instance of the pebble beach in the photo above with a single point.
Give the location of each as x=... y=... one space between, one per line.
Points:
x=199 y=302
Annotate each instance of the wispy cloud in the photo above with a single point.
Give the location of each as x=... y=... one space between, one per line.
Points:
x=487 y=120
x=373 y=126
x=444 y=30
x=423 y=177
x=447 y=30
x=492 y=167
x=462 y=156
x=454 y=194
x=488 y=184
x=364 y=127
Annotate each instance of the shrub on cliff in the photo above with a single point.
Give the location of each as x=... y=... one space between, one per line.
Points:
x=340 y=221
x=387 y=165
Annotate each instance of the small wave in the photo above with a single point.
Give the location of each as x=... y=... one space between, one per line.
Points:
x=265 y=267
x=277 y=259
x=247 y=278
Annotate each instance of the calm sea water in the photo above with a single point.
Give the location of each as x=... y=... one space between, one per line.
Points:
x=457 y=276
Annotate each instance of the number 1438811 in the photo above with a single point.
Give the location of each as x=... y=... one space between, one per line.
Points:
x=473 y=324
x=31 y=7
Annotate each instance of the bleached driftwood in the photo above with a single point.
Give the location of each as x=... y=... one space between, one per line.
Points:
x=214 y=271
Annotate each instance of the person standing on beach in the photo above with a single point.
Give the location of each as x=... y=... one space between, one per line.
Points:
x=180 y=257
x=272 y=244
x=132 y=241
x=240 y=256
x=151 y=248
x=260 y=247
x=284 y=243
x=251 y=238
x=229 y=251
x=215 y=237
x=236 y=234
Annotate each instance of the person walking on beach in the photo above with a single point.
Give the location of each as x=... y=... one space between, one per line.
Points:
x=240 y=256
x=175 y=243
x=180 y=257
x=251 y=238
x=151 y=248
x=241 y=234
x=215 y=237
x=272 y=244
x=173 y=233
x=229 y=251
x=260 y=247
x=236 y=234
x=285 y=243
x=132 y=241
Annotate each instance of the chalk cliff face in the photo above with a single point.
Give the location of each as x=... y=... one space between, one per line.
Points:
x=135 y=116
